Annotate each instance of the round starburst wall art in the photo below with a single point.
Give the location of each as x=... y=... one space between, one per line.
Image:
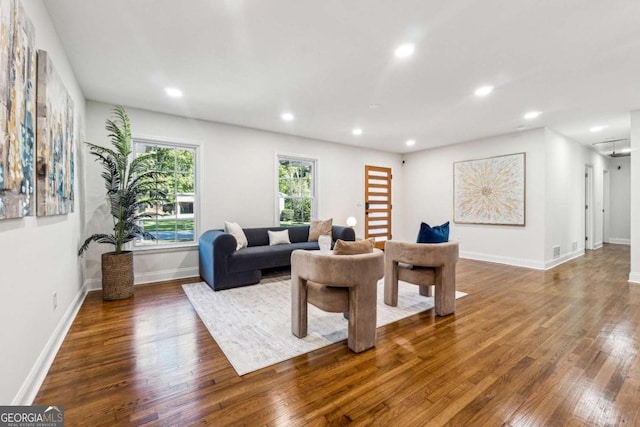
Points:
x=490 y=191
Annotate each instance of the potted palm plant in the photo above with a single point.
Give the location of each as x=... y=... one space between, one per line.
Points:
x=131 y=186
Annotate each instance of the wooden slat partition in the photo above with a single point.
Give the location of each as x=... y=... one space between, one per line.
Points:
x=377 y=194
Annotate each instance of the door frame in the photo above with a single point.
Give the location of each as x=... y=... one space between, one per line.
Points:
x=588 y=207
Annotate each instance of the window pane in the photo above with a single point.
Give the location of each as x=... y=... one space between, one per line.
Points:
x=284 y=183
x=144 y=148
x=298 y=187
x=168 y=208
x=286 y=212
x=166 y=158
x=166 y=229
x=301 y=211
x=185 y=160
x=305 y=187
x=185 y=183
x=185 y=230
x=149 y=225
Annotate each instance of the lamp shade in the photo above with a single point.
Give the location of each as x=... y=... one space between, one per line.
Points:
x=351 y=221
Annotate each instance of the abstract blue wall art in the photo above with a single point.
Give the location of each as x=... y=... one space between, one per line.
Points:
x=17 y=111
x=55 y=143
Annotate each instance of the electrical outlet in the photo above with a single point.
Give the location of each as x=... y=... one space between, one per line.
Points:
x=574 y=246
x=556 y=251
x=55 y=300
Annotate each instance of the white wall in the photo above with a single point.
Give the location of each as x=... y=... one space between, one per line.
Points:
x=38 y=256
x=619 y=200
x=565 y=196
x=238 y=181
x=634 y=275
x=428 y=197
x=555 y=198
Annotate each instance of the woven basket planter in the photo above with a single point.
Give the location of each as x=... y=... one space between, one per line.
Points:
x=117 y=275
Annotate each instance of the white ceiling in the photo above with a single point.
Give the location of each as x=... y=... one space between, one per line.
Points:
x=245 y=62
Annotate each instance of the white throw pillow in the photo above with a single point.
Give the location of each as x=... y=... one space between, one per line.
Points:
x=279 y=237
x=235 y=230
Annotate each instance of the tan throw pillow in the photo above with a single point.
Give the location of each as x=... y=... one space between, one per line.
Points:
x=319 y=228
x=235 y=230
x=352 y=248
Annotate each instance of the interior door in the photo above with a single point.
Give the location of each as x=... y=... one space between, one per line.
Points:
x=377 y=196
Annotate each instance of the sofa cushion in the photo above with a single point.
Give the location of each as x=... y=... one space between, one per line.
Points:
x=344 y=233
x=261 y=257
x=299 y=234
x=320 y=228
x=260 y=236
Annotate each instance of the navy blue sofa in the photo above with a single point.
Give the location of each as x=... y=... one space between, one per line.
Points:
x=222 y=267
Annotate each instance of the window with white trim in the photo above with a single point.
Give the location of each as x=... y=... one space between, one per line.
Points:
x=296 y=190
x=173 y=221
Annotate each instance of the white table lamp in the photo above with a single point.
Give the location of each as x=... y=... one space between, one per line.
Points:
x=351 y=222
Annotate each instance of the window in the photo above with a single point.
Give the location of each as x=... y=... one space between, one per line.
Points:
x=296 y=190
x=174 y=221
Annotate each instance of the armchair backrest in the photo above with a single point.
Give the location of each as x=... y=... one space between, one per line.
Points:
x=422 y=254
x=337 y=270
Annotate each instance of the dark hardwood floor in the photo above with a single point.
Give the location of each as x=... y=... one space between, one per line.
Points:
x=524 y=348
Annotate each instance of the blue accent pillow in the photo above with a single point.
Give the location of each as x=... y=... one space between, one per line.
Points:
x=437 y=234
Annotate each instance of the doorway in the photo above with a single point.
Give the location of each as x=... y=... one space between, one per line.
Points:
x=377 y=198
x=605 y=207
x=588 y=208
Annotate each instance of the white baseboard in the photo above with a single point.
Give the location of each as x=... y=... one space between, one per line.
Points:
x=34 y=380
x=634 y=277
x=155 y=276
x=160 y=276
x=93 y=284
x=616 y=241
x=564 y=258
x=597 y=245
x=518 y=262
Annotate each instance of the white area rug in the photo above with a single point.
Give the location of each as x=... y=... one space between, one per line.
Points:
x=252 y=324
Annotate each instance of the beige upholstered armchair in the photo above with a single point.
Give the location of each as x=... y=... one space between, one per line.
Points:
x=339 y=284
x=425 y=265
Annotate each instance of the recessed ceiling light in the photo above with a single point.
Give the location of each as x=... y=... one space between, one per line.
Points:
x=484 y=90
x=597 y=128
x=374 y=106
x=287 y=117
x=405 y=50
x=173 y=92
x=410 y=142
x=357 y=131
x=532 y=115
